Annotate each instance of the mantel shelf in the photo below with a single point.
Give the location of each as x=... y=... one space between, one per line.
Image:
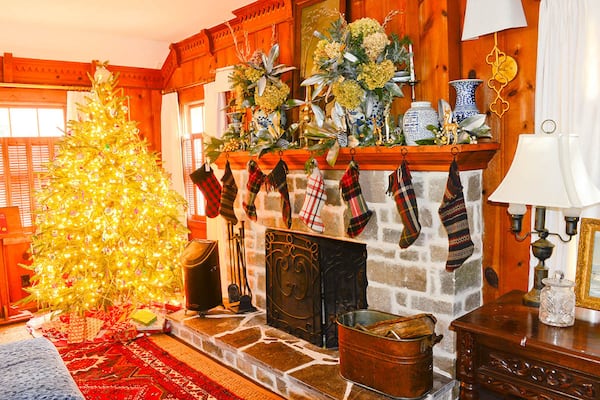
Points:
x=419 y=158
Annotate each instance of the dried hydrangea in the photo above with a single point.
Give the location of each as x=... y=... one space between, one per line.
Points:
x=348 y=93
x=253 y=74
x=326 y=50
x=376 y=75
x=374 y=45
x=364 y=27
x=273 y=97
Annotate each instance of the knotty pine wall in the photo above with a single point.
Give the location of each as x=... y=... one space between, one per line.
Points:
x=434 y=27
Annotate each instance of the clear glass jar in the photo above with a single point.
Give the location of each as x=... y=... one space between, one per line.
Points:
x=557 y=302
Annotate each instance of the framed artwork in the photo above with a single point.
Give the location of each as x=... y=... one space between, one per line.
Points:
x=312 y=15
x=587 y=277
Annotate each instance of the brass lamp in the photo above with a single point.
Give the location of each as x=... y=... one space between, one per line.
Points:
x=547 y=172
x=483 y=17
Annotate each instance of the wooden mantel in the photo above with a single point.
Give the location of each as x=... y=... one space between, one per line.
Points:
x=419 y=158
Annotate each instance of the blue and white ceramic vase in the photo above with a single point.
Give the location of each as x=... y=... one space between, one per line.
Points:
x=465 y=106
x=415 y=121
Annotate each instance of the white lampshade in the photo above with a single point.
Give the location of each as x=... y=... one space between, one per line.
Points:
x=489 y=16
x=548 y=170
x=222 y=83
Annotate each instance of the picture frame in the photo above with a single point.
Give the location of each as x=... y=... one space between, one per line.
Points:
x=311 y=15
x=587 y=276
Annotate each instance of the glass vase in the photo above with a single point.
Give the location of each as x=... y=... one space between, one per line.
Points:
x=465 y=106
x=557 y=302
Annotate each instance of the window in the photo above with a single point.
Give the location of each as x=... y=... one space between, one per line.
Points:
x=193 y=157
x=28 y=137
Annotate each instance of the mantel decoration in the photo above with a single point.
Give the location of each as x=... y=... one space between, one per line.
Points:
x=358 y=71
x=258 y=105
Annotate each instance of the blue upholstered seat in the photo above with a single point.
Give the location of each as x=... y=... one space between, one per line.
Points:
x=32 y=369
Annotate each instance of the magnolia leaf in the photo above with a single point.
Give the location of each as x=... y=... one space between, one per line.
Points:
x=291 y=103
x=318 y=113
x=332 y=154
x=282 y=68
x=274 y=53
x=394 y=89
x=261 y=84
x=473 y=122
x=350 y=57
x=313 y=80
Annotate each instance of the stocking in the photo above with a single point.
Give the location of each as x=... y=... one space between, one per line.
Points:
x=255 y=180
x=228 y=195
x=314 y=201
x=277 y=180
x=401 y=188
x=204 y=178
x=453 y=214
x=352 y=194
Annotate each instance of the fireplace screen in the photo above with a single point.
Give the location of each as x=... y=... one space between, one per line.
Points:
x=310 y=281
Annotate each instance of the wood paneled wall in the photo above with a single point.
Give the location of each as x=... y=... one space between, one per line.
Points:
x=434 y=27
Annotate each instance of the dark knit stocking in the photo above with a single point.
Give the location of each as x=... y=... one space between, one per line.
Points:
x=255 y=180
x=228 y=195
x=453 y=214
x=314 y=201
x=277 y=180
x=401 y=188
x=352 y=194
x=204 y=178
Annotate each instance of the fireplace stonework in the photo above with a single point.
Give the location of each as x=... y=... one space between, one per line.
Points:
x=400 y=281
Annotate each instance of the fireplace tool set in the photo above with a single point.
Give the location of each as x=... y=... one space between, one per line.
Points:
x=238 y=291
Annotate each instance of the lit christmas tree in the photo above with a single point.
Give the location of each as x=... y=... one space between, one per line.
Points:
x=107 y=227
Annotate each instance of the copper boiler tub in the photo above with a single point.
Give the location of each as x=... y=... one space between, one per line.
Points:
x=400 y=368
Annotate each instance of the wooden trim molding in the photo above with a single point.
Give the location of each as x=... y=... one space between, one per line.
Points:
x=420 y=158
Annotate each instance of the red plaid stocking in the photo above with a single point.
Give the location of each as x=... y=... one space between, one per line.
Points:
x=401 y=188
x=204 y=178
x=228 y=195
x=277 y=180
x=352 y=194
x=453 y=214
x=314 y=201
x=255 y=180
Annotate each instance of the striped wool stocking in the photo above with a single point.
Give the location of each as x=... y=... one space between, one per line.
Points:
x=401 y=188
x=314 y=201
x=277 y=180
x=228 y=195
x=204 y=178
x=255 y=180
x=352 y=194
x=453 y=214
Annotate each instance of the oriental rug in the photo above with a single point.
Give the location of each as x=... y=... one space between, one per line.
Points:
x=137 y=370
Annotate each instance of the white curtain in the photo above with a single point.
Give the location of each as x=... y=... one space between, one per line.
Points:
x=568 y=92
x=214 y=106
x=170 y=139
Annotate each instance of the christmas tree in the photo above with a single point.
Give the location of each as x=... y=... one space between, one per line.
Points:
x=107 y=227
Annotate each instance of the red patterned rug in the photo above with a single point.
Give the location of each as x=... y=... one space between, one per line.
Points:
x=136 y=370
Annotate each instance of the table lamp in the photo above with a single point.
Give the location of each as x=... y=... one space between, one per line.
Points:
x=547 y=172
x=483 y=17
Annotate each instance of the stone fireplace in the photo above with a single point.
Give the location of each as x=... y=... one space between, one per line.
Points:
x=400 y=281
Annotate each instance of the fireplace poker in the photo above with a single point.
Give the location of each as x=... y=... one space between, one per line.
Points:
x=233 y=290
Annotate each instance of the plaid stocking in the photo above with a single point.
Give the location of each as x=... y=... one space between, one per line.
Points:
x=352 y=194
x=453 y=214
x=401 y=188
x=314 y=201
x=204 y=178
x=255 y=180
x=228 y=195
x=277 y=180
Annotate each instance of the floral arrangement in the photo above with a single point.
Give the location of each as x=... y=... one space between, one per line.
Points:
x=259 y=92
x=360 y=69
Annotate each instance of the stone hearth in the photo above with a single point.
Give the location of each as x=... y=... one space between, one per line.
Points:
x=283 y=363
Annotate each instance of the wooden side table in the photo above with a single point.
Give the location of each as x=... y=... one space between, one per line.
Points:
x=504 y=348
